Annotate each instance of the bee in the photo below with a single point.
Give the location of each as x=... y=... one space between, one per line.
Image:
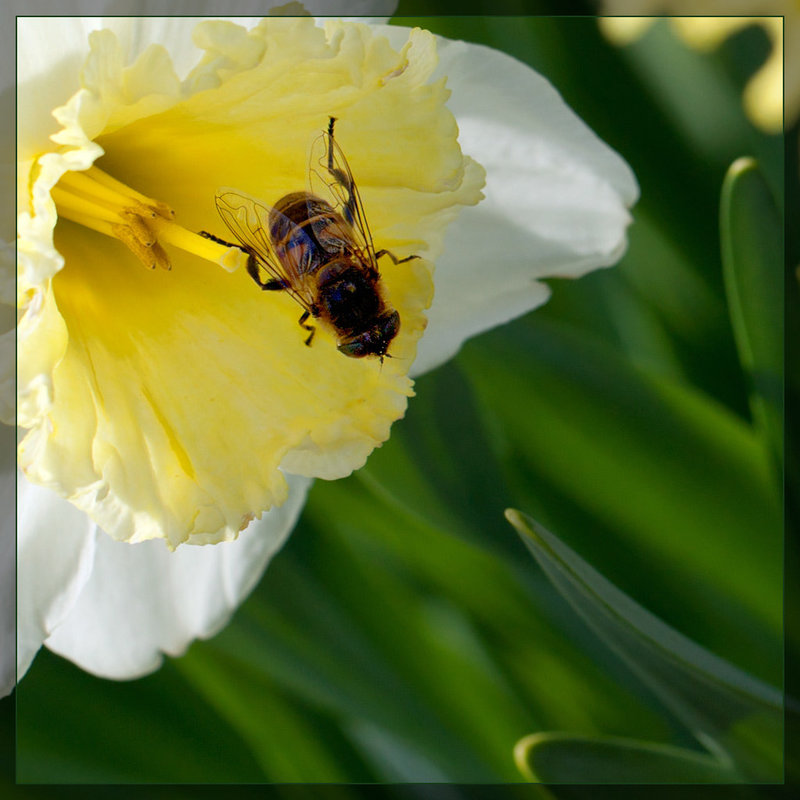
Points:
x=320 y=252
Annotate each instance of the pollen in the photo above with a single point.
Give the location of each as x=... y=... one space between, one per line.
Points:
x=98 y=201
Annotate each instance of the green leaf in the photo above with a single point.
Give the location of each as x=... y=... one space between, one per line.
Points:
x=433 y=470
x=752 y=256
x=332 y=639
x=72 y=727
x=256 y=710
x=7 y=744
x=563 y=758
x=722 y=705
x=656 y=482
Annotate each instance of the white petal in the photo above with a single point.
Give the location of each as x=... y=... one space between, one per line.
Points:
x=143 y=600
x=56 y=545
x=8 y=577
x=8 y=345
x=46 y=47
x=556 y=198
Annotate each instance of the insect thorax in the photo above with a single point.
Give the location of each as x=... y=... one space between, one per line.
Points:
x=296 y=208
x=348 y=296
x=308 y=230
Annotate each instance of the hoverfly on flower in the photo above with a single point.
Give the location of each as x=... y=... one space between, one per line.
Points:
x=320 y=251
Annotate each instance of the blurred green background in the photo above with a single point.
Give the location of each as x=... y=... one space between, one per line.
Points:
x=406 y=633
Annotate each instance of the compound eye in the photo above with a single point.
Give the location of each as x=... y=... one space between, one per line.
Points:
x=355 y=348
x=390 y=326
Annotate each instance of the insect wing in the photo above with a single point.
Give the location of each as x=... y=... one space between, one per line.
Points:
x=330 y=177
x=248 y=220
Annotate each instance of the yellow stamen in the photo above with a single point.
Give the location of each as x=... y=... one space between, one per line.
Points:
x=151 y=255
x=81 y=183
x=229 y=258
x=87 y=220
x=109 y=182
x=98 y=201
x=139 y=227
x=65 y=199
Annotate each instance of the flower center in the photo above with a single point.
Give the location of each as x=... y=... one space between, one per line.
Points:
x=98 y=201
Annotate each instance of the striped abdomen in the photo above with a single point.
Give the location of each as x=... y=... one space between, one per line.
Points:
x=307 y=231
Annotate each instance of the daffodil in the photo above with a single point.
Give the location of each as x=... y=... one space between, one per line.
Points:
x=162 y=394
x=770 y=92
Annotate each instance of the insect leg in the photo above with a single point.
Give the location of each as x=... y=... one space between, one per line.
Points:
x=302 y=322
x=272 y=285
x=207 y=235
x=331 y=121
x=394 y=257
x=343 y=179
